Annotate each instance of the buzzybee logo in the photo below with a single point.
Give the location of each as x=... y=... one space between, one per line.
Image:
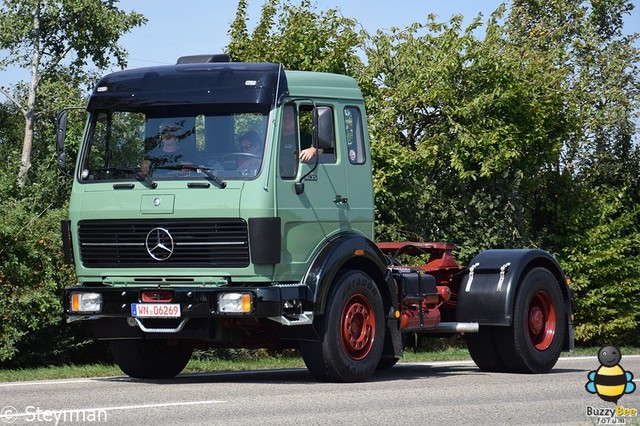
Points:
x=610 y=381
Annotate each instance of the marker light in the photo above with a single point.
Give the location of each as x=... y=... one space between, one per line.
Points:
x=235 y=302
x=86 y=302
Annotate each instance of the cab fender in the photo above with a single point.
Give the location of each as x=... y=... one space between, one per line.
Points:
x=348 y=250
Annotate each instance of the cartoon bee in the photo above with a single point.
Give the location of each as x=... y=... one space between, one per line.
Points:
x=610 y=381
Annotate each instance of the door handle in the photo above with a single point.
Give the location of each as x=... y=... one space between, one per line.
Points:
x=340 y=199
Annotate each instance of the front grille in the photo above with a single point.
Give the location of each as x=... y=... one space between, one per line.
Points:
x=202 y=243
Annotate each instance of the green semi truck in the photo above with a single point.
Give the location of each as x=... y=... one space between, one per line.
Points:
x=225 y=204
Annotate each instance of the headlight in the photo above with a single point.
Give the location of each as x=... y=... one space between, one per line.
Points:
x=86 y=302
x=235 y=302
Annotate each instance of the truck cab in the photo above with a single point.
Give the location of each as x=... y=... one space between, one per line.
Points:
x=229 y=226
x=231 y=204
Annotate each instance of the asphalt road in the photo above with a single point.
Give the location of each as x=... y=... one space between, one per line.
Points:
x=409 y=394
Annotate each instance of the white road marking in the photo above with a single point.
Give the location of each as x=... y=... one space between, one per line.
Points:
x=45 y=382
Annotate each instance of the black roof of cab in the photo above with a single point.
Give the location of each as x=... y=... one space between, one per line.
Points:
x=190 y=84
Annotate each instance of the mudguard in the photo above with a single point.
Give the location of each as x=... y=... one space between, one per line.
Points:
x=348 y=250
x=488 y=289
x=352 y=250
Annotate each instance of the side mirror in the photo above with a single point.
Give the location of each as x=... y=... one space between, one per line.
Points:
x=325 y=137
x=61 y=134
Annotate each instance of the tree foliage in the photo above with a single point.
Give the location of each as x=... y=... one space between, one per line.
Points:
x=41 y=35
x=32 y=274
x=481 y=116
x=587 y=207
x=297 y=37
x=531 y=135
x=606 y=270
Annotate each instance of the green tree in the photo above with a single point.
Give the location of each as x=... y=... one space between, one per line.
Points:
x=32 y=273
x=587 y=206
x=524 y=137
x=500 y=140
x=605 y=266
x=297 y=37
x=478 y=120
x=41 y=35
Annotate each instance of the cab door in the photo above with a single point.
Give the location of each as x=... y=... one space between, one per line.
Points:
x=354 y=144
x=320 y=206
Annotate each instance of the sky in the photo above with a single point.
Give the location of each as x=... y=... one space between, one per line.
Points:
x=186 y=27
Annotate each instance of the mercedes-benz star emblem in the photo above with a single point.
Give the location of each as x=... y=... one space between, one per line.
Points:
x=159 y=243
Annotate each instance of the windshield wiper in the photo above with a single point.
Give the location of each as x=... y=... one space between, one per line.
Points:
x=143 y=178
x=207 y=171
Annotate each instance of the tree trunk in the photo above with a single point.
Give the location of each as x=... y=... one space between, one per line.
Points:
x=27 y=144
x=30 y=110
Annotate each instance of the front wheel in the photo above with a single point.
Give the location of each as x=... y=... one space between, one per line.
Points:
x=351 y=331
x=533 y=342
x=150 y=359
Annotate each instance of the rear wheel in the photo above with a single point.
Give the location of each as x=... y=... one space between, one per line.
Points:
x=484 y=350
x=533 y=342
x=351 y=331
x=150 y=359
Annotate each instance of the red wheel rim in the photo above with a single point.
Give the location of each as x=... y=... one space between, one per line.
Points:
x=358 y=327
x=541 y=321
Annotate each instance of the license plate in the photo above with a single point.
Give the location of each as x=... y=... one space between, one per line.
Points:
x=155 y=310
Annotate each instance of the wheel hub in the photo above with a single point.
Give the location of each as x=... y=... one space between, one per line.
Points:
x=358 y=327
x=541 y=320
x=536 y=320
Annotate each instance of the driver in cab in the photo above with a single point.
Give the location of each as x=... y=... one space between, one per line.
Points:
x=252 y=148
x=170 y=154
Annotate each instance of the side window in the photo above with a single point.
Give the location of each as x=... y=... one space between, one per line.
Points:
x=97 y=156
x=288 y=143
x=296 y=135
x=355 y=135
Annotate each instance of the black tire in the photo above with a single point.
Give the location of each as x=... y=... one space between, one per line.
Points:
x=533 y=342
x=150 y=359
x=351 y=331
x=484 y=349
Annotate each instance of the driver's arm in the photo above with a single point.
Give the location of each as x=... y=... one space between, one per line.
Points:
x=308 y=153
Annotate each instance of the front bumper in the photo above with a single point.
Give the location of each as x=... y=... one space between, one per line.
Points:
x=198 y=302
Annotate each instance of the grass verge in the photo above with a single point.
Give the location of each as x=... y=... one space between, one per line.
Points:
x=246 y=361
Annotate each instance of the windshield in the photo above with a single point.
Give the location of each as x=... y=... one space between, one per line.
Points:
x=125 y=145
